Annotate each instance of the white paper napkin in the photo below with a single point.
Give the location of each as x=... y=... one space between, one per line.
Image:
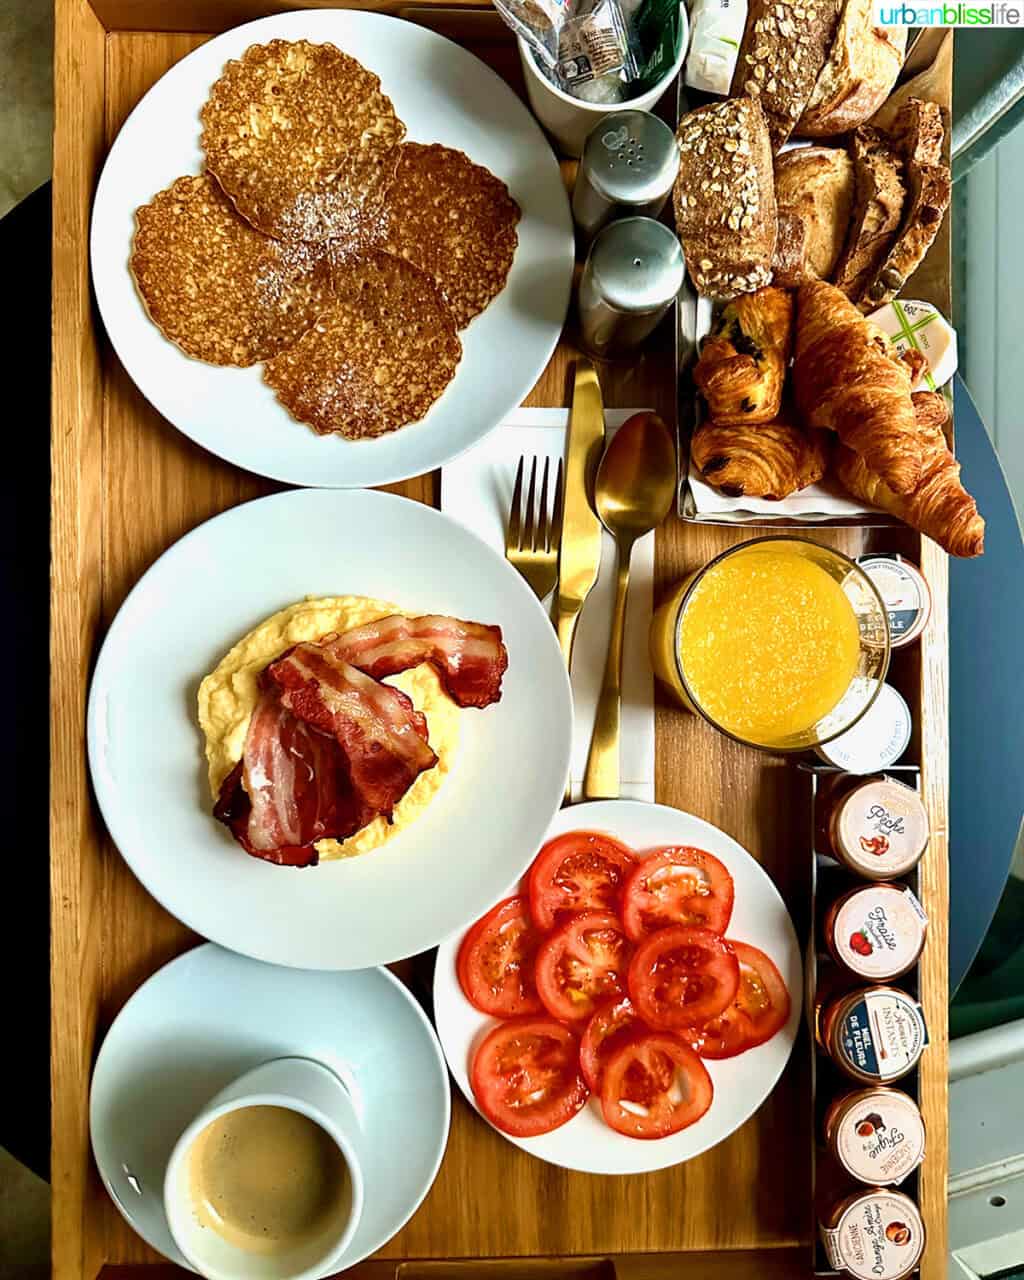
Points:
x=477 y=490
x=823 y=501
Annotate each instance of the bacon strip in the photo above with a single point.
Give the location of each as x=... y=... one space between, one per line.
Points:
x=468 y=656
x=382 y=736
x=290 y=789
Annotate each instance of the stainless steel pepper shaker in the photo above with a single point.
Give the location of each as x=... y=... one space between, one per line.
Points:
x=632 y=275
x=629 y=163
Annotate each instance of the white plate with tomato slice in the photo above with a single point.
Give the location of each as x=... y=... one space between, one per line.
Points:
x=633 y=1001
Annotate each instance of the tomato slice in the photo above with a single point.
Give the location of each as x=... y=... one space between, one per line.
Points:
x=682 y=976
x=581 y=964
x=677 y=885
x=761 y=1008
x=653 y=1086
x=526 y=1077
x=580 y=871
x=613 y=1025
x=496 y=961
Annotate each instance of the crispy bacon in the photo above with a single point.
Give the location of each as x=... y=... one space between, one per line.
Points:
x=382 y=736
x=468 y=656
x=290 y=789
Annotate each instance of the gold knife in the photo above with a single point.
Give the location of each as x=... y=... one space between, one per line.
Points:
x=579 y=558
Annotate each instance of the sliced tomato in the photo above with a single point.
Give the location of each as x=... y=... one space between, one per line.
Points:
x=653 y=1086
x=682 y=976
x=526 y=1077
x=761 y=1008
x=496 y=961
x=581 y=964
x=580 y=871
x=612 y=1026
x=680 y=884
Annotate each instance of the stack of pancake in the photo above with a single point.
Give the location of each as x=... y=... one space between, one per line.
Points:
x=320 y=243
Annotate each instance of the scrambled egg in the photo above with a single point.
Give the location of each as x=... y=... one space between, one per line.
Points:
x=228 y=696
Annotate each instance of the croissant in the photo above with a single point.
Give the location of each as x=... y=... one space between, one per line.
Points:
x=765 y=460
x=940 y=506
x=847 y=376
x=742 y=364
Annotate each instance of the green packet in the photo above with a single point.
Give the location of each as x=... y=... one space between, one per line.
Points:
x=659 y=31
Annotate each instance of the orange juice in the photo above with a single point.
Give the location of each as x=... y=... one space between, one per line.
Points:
x=768 y=644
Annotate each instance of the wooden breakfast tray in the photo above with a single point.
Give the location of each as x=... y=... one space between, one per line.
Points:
x=125 y=486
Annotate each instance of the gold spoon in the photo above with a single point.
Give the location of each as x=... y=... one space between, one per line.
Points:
x=633 y=493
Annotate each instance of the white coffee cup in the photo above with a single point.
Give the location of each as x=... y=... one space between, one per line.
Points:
x=296 y=1084
x=569 y=120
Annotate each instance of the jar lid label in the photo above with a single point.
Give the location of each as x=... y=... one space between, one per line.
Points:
x=881 y=1139
x=881 y=829
x=904 y=593
x=880 y=1236
x=879 y=931
x=881 y=1035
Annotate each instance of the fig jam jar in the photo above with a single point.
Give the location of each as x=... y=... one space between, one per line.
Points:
x=876 y=1135
x=876 y=931
x=879 y=829
x=873 y=1034
x=874 y=1235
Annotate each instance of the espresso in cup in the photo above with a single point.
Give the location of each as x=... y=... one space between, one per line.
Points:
x=269 y=1180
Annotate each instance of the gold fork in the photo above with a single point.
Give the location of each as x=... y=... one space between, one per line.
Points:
x=532 y=538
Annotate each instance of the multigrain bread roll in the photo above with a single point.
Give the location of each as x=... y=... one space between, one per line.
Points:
x=877 y=210
x=861 y=70
x=785 y=45
x=724 y=197
x=814 y=188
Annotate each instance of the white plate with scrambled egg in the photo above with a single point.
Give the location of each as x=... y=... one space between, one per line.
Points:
x=175 y=685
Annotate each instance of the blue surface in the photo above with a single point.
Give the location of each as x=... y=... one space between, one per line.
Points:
x=986 y=703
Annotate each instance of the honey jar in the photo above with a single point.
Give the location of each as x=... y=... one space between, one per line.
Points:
x=877 y=1135
x=875 y=1234
x=876 y=931
x=873 y=1034
x=879 y=829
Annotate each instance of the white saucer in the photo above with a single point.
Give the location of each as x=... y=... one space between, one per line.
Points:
x=209 y=1016
x=741 y=1084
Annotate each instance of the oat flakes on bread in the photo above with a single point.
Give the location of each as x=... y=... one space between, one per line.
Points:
x=814 y=189
x=862 y=67
x=454 y=220
x=785 y=45
x=743 y=361
x=880 y=194
x=302 y=139
x=215 y=286
x=377 y=359
x=724 y=197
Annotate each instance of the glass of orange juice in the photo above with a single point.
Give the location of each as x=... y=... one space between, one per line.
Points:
x=781 y=643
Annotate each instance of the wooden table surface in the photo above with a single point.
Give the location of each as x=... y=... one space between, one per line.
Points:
x=125 y=486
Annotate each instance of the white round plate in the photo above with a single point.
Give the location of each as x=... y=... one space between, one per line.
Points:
x=741 y=1084
x=146 y=750
x=210 y=1016
x=443 y=94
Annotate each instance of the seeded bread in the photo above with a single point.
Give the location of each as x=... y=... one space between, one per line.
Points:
x=857 y=78
x=814 y=189
x=918 y=132
x=785 y=45
x=929 y=190
x=877 y=211
x=724 y=197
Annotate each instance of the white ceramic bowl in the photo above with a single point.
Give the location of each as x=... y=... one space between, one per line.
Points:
x=567 y=119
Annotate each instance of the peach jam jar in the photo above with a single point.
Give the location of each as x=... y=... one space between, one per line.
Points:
x=875 y=1234
x=876 y=931
x=780 y=643
x=879 y=829
x=873 y=1034
x=876 y=1135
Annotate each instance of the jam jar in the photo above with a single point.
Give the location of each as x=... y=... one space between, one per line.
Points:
x=876 y=931
x=879 y=829
x=874 y=1234
x=876 y=1135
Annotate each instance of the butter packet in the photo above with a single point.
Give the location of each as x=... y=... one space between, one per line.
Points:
x=920 y=325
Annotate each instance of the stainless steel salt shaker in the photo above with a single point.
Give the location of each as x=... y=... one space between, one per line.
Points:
x=629 y=163
x=632 y=275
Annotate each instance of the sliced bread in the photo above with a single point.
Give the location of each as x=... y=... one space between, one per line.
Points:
x=814 y=192
x=929 y=190
x=880 y=193
x=862 y=68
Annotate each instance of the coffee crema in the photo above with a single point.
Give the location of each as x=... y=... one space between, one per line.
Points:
x=268 y=1180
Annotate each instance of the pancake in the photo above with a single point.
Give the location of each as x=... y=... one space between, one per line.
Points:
x=214 y=286
x=301 y=138
x=377 y=359
x=454 y=220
